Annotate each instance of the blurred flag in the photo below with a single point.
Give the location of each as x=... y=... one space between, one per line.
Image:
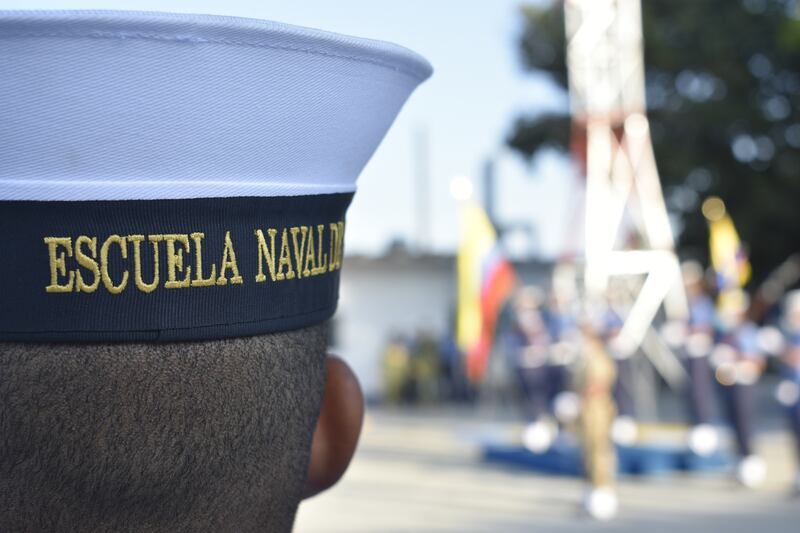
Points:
x=727 y=255
x=485 y=281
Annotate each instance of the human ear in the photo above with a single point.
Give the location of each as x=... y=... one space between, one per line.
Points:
x=338 y=427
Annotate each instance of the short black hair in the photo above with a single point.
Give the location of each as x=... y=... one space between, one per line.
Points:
x=196 y=436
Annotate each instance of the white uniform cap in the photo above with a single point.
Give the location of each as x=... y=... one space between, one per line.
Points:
x=181 y=177
x=121 y=105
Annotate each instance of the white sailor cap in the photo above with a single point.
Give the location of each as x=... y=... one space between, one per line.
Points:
x=174 y=177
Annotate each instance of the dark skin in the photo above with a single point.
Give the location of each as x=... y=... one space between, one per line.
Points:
x=338 y=427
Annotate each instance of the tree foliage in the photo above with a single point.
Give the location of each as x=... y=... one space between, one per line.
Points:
x=723 y=90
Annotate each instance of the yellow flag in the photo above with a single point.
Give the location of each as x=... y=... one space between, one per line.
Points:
x=727 y=255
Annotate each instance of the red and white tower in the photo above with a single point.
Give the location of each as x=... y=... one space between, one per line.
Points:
x=627 y=229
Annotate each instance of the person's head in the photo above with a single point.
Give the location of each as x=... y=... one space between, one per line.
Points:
x=527 y=310
x=186 y=436
x=173 y=191
x=792 y=311
x=693 y=278
x=732 y=307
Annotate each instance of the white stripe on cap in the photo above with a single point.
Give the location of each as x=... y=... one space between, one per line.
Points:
x=120 y=105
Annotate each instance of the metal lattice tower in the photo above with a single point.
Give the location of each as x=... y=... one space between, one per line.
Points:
x=624 y=201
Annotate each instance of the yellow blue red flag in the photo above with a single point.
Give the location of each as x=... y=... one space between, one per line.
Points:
x=485 y=281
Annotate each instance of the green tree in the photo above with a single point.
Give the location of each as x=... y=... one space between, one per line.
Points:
x=723 y=89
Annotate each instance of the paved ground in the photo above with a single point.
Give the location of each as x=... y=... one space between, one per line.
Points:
x=421 y=471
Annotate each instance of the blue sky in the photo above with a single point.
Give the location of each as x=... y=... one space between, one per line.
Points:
x=466 y=108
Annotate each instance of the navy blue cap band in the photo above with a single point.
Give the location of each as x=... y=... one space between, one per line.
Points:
x=168 y=270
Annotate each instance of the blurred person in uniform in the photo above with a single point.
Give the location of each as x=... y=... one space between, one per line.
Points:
x=789 y=388
x=595 y=382
x=529 y=345
x=564 y=350
x=174 y=188
x=625 y=429
x=738 y=363
x=425 y=366
x=697 y=341
x=396 y=370
x=454 y=385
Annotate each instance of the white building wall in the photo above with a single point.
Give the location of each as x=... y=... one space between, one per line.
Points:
x=384 y=296
x=398 y=294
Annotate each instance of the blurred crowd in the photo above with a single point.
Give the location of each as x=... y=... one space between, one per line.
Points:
x=573 y=371
x=573 y=377
x=424 y=369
